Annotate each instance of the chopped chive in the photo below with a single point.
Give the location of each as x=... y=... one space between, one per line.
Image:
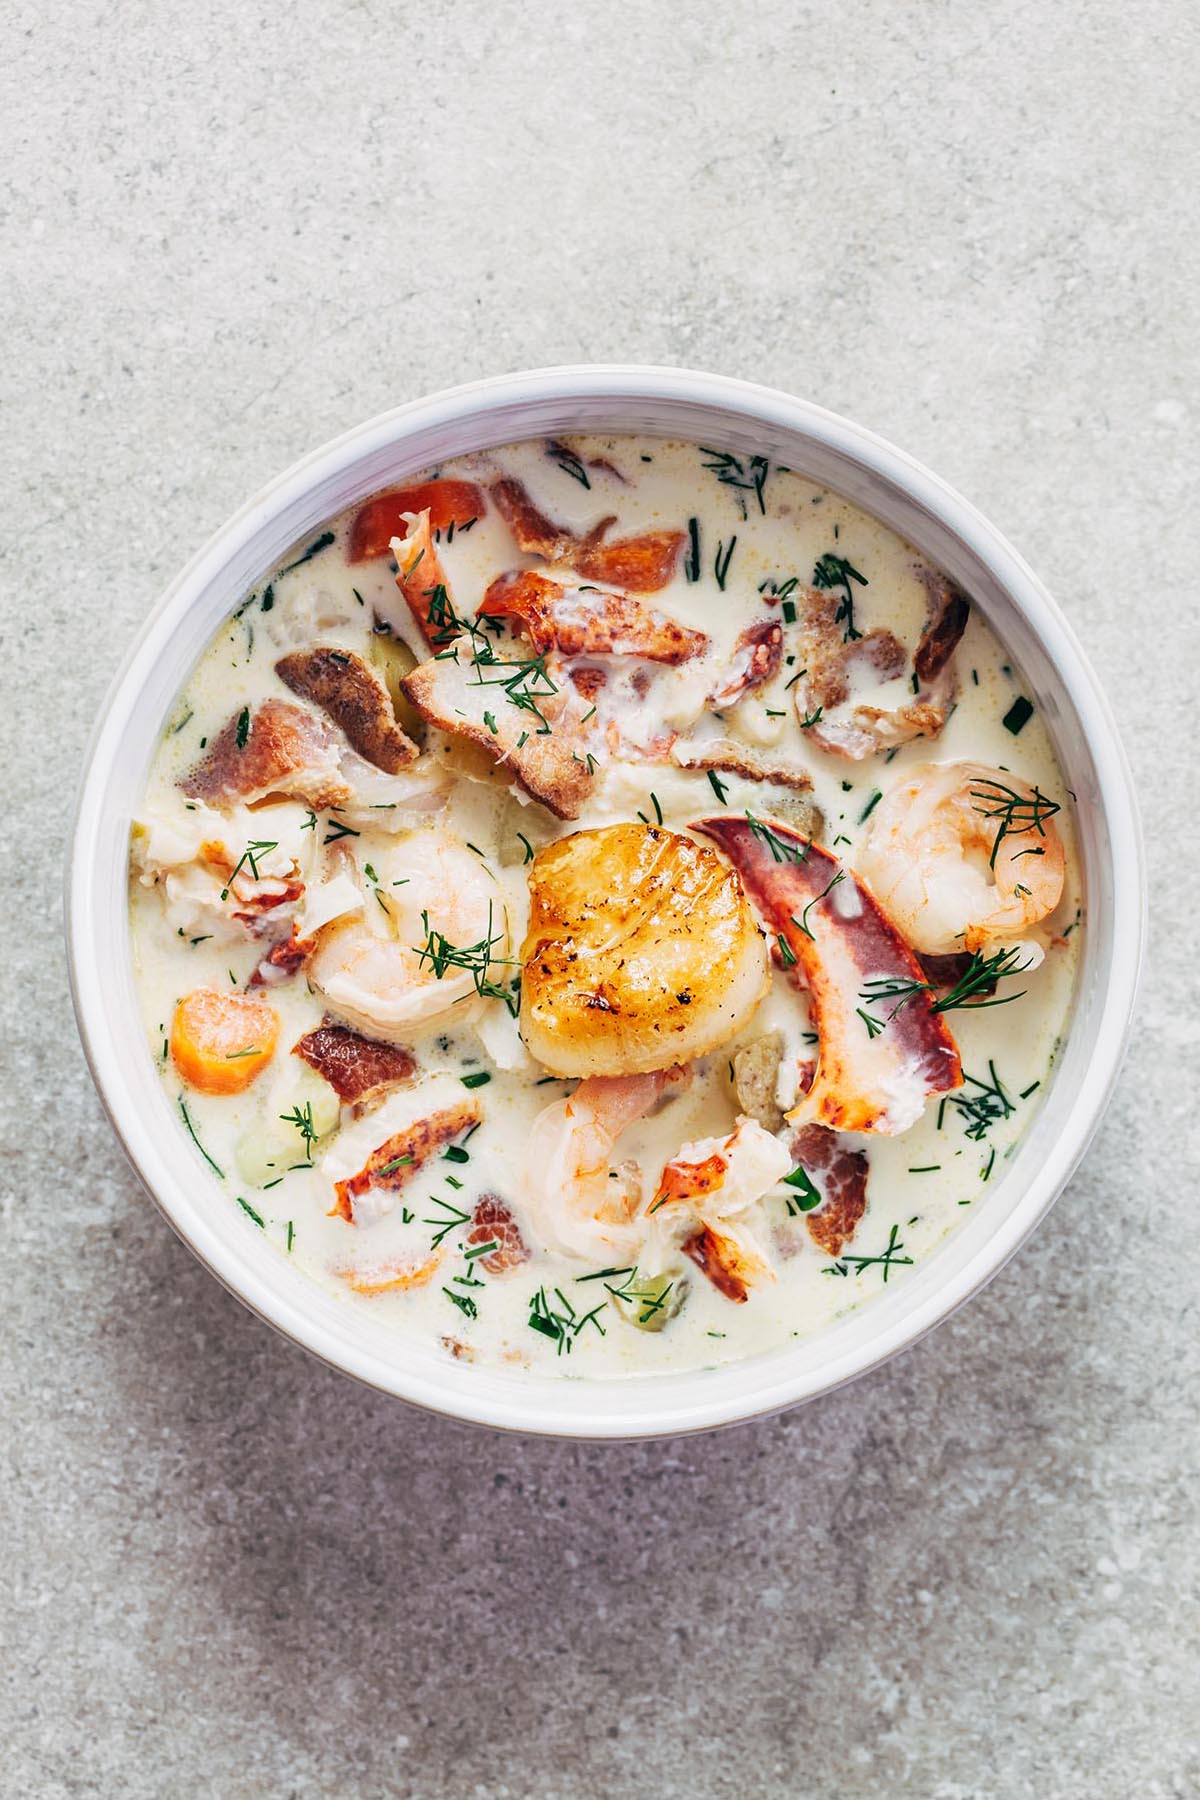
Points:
x=1018 y=715
x=479 y=1079
x=192 y=1134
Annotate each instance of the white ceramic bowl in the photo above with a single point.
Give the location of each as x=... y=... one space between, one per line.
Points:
x=663 y=403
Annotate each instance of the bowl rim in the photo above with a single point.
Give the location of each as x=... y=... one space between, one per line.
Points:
x=430 y=1388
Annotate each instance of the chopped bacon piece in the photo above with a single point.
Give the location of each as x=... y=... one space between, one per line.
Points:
x=840 y=1174
x=532 y=531
x=690 y=1180
x=834 y=937
x=493 y=1220
x=478 y=701
x=282 y=960
x=730 y=1268
x=949 y=610
x=394 y=1162
x=259 y=897
x=588 y=681
x=641 y=565
x=281 y=750
x=382 y=518
x=350 y=691
x=422 y=580
x=756 y=658
x=588 y=622
x=356 y=1068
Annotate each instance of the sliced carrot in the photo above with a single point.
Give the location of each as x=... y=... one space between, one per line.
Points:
x=220 y=1042
x=381 y=519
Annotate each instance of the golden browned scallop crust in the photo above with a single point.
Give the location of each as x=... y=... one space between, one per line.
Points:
x=642 y=951
x=355 y=698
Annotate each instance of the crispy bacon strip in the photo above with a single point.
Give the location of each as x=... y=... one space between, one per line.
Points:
x=532 y=531
x=282 y=960
x=588 y=622
x=382 y=518
x=949 y=610
x=756 y=658
x=397 y=1159
x=422 y=580
x=351 y=693
x=840 y=1173
x=356 y=1068
x=837 y=938
x=279 y=749
x=640 y=565
x=557 y=766
x=493 y=1219
x=727 y=1265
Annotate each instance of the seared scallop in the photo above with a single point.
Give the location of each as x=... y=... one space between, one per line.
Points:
x=642 y=951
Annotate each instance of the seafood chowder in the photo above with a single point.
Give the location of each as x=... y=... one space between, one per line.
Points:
x=606 y=906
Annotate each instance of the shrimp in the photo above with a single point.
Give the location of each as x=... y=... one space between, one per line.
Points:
x=430 y=936
x=962 y=856
x=578 y=1203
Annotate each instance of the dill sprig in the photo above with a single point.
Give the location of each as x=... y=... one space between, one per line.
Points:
x=781 y=849
x=648 y=1293
x=477 y=958
x=1016 y=814
x=453 y=1219
x=249 y=860
x=302 y=1118
x=745 y=477
x=567 y=461
x=978 y=978
x=982 y=1109
x=833 y=571
x=890 y=1257
x=561 y=1322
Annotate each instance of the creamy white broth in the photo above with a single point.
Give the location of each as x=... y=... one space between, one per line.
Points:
x=920 y=1182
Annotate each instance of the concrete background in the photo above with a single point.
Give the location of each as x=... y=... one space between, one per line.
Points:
x=230 y=231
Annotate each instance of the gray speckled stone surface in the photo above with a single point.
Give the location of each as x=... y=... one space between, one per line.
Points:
x=231 y=231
